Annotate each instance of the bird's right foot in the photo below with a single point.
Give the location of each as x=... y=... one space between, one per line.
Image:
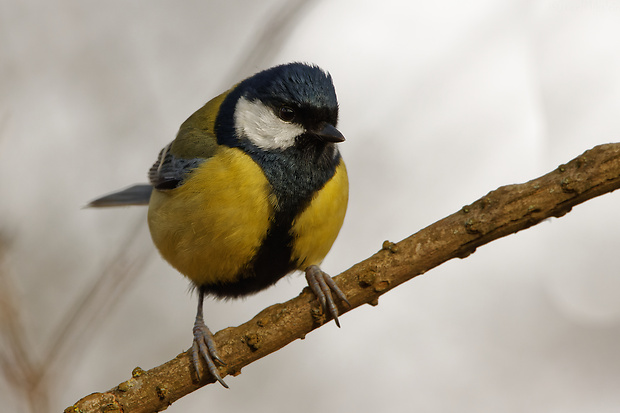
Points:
x=204 y=347
x=204 y=344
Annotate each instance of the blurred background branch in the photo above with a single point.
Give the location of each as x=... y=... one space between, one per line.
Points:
x=19 y=367
x=268 y=41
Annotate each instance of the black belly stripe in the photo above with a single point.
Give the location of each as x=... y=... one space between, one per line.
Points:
x=295 y=175
x=271 y=263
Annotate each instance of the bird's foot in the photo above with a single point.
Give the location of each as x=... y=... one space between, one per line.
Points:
x=322 y=285
x=204 y=347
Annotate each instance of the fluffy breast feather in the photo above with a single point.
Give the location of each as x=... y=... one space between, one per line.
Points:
x=315 y=229
x=211 y=227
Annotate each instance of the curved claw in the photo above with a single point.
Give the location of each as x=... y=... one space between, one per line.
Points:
x=322 y=285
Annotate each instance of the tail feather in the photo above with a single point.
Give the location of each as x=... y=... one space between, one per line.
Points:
x=134 y=195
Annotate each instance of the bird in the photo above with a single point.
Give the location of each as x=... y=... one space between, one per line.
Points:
x=252 y=188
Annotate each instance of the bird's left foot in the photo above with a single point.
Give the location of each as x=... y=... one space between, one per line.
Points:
x=322 y=285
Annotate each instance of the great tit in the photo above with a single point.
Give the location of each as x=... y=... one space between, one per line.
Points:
x=252 y=188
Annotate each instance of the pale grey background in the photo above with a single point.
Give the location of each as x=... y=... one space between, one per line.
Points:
x=441 y=102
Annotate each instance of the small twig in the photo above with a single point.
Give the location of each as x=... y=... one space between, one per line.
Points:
x=504 y=211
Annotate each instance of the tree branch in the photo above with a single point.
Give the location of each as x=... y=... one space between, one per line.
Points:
x=504 y=211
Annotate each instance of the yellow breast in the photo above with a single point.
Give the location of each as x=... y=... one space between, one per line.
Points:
x=316 y=228
x=210 y=227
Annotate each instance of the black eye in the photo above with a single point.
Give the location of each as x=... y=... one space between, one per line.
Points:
x=286 y=113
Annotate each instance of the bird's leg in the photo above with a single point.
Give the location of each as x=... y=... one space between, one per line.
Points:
x=204 y=344
x=322 y=285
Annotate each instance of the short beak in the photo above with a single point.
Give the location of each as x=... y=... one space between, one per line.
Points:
x=328 y=133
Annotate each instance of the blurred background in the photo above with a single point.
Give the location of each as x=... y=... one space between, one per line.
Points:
x=441 y=102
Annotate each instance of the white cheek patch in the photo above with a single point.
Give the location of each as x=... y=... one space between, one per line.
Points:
x=262 y=127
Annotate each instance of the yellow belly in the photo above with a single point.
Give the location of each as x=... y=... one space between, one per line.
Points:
x=316 y=228
x=210 y=227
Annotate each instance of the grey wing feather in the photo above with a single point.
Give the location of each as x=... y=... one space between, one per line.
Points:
x=169 y=172
x=134 y=195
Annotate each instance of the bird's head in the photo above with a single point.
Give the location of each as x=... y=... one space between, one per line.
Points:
x=287 y=105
